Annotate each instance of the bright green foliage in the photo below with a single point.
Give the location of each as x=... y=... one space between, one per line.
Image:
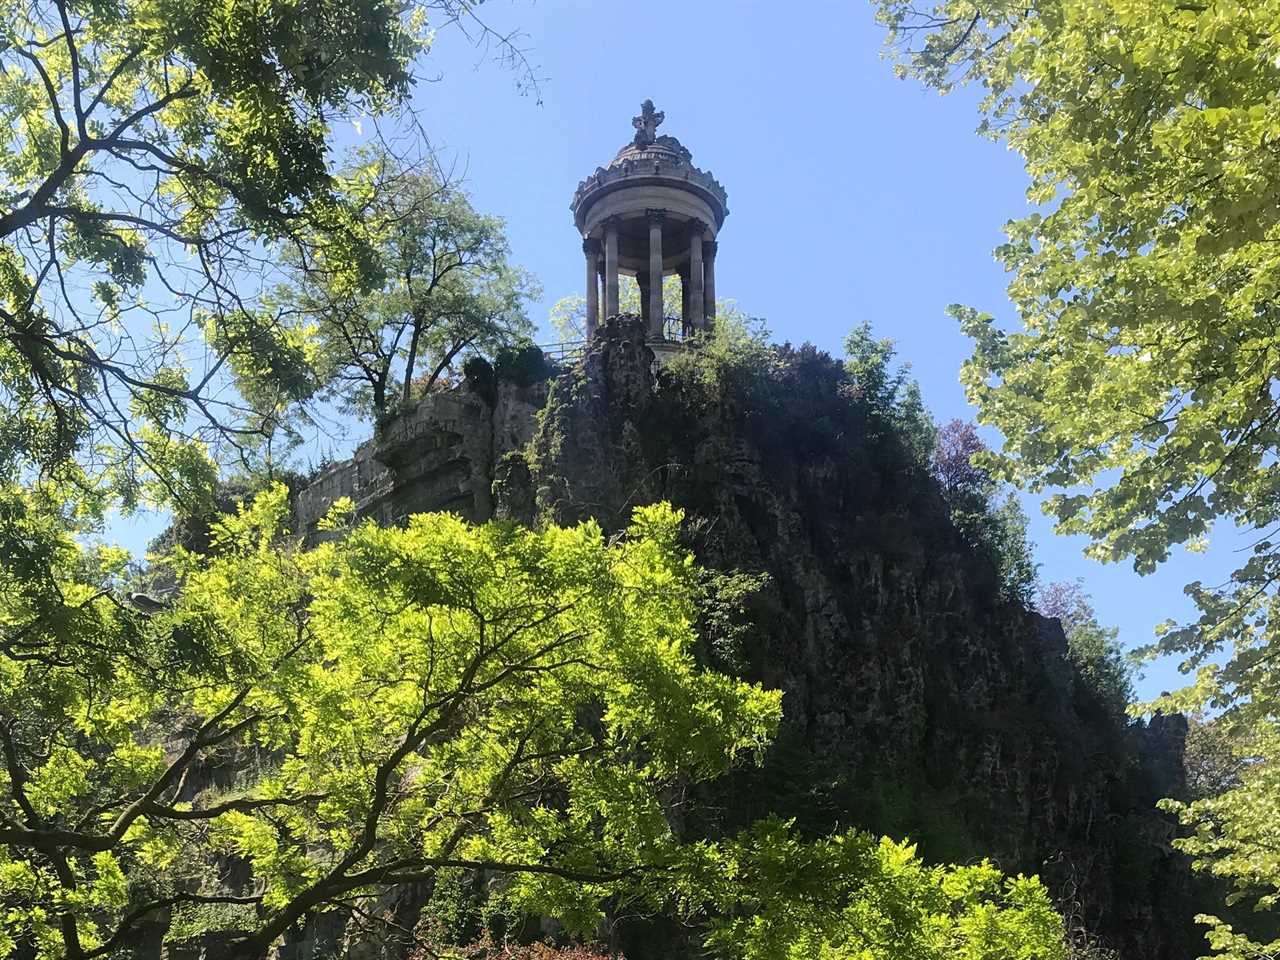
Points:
x=1142 y=381
x=853 y=897
x=729 y=360
x=1146 y=287
x=152 y=151
x=81 y=689
x=1232 y=837
x=410 y=705
x=395 y=701
x=446 y=288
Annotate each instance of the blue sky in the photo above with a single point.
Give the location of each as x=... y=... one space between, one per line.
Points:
x=853 y=195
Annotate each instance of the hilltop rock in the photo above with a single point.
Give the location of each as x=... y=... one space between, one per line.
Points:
x=917 y=701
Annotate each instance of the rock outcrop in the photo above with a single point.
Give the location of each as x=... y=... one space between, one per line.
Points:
x=437 y=456
x=917 y=701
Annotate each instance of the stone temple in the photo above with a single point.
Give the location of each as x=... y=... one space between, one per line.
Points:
x=651 y=213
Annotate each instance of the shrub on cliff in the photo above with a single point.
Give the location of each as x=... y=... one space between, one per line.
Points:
x=1103 y=670
x=994 y=525
x=800 y=400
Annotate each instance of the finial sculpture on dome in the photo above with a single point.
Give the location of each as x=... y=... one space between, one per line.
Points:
x=647 y=214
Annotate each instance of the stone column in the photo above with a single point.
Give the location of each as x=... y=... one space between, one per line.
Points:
x=656 y=314
x=642 y=282
x=591 y=248
x=611 y=267
x=709 y=248
x=685 y=327
x=600 y=290
x=696 y=294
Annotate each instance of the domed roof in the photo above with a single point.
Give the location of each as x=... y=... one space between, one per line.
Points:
x=650 y=159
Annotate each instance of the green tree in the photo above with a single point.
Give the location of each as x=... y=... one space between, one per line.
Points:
x=1142 y=374
x=994 y=525
x=889 y=390
x=446 y=287
x=1142 y=383
x=407 y=706
x=395 y=703
x=855 y=897
x=159 y=159
x=568 y=316
x=1093 y=648
x=1232 y=836
x=153 y=152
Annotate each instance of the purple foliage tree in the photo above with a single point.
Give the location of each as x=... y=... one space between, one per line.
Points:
x=957 y=443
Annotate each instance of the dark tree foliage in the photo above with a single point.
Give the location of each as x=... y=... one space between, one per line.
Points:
x=953 y=465
x=994 y=525
x=1094 y=648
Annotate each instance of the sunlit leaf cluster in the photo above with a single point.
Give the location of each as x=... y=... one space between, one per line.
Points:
x=393 y=702
x=155 y=157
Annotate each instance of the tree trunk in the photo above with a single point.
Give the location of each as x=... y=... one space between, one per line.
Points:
x=409 y=361
x=448 y=359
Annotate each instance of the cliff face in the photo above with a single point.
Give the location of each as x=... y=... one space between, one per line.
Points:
x=438 y=456
x=917 y=703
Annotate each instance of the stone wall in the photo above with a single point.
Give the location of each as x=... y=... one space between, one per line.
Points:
x=438 y=455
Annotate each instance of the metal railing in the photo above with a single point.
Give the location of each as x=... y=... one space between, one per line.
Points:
x=570 y=350
x=673 y=330
x=564 y=350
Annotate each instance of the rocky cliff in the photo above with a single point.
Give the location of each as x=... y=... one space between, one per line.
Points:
x=917 y=702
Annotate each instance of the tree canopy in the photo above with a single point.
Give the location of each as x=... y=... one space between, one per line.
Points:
x=444 y=286
x=397 y=702
x=1141 y=387
x=1140 y=379
x=397 y=706
x=853 y=896
x=152 y=152
x=569 y=314
x=1104 y=672
x=284 y=730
